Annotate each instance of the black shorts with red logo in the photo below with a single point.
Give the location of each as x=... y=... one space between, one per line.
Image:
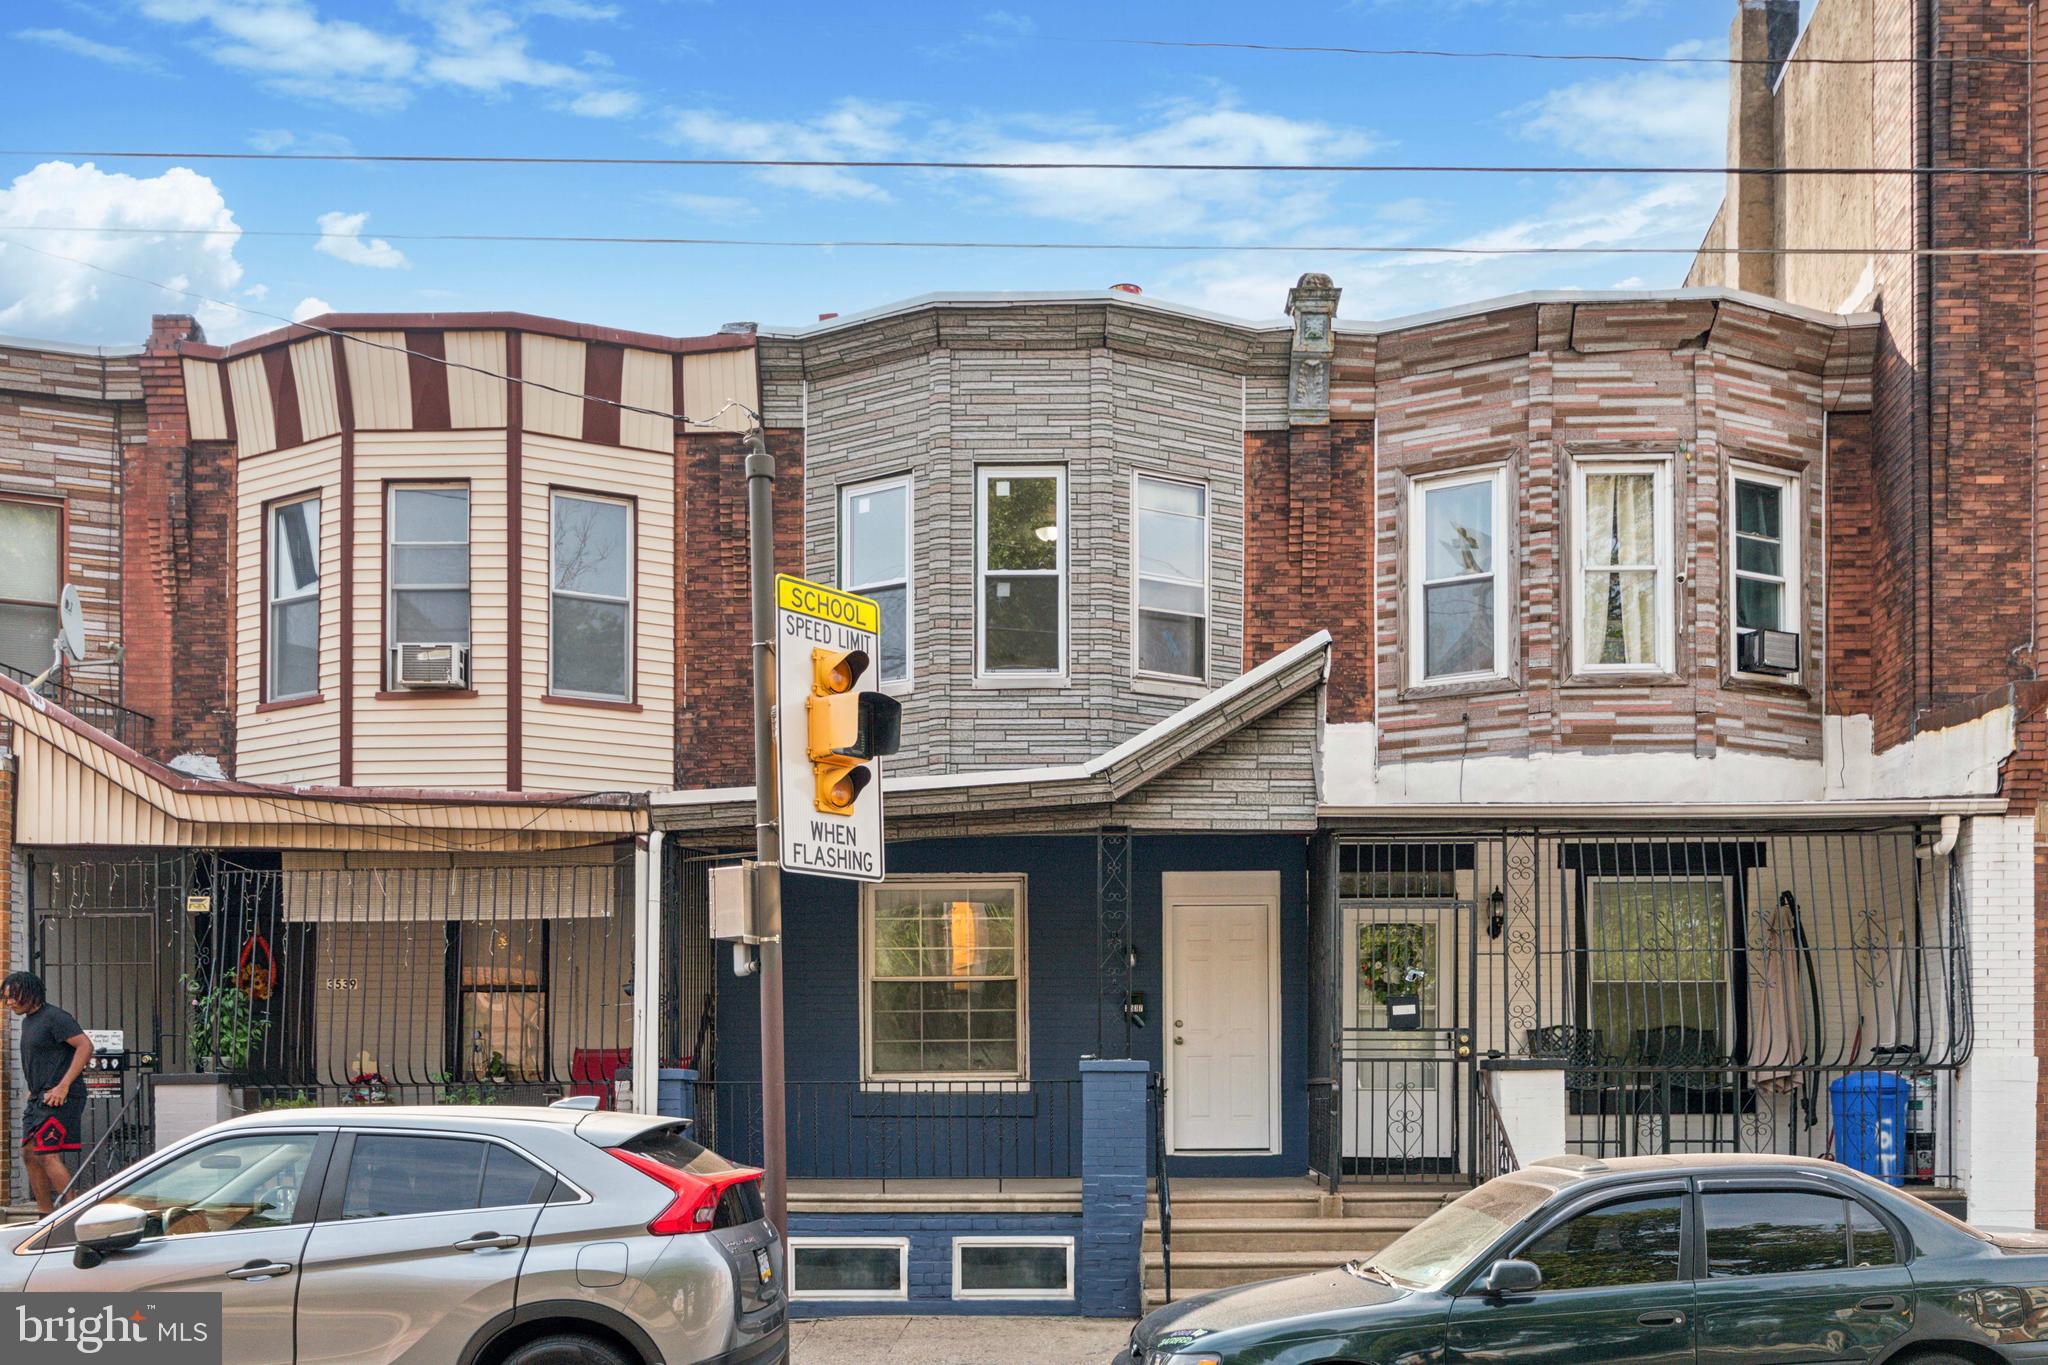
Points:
x=48 y=1128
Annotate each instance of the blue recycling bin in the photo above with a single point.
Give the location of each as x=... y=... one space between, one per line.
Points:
x=1870 y=1123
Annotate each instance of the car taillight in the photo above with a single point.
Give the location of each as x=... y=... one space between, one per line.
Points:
x=695 y=1206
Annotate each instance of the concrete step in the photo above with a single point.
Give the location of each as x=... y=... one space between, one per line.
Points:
x=1194 y=1271
x=1349 y=1236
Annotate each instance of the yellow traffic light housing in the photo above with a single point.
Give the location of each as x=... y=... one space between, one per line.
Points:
x=846 y=730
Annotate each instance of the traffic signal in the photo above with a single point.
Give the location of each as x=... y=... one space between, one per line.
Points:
x=847 y=729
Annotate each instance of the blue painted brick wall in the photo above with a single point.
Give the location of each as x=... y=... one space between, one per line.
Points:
x=931 y=1260
x=1113 y=1128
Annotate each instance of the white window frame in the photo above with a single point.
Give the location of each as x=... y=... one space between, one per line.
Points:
x=631 y=600
x=271 y=601
x=983 y=475
x=1732 y=960
x=1666 y=594
x=978 y=1240
x=901 y=1245
x=1792 y=532
x=1495 y=476
x=392 y=543
x=888 y=1081
x=1140 y=477
x=847 y=493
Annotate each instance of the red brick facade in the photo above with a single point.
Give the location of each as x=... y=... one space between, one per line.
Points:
x=1308 y=552
x=714 y=679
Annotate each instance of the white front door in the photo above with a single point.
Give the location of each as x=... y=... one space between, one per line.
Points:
x=1400 y=988
x=1222 y=1011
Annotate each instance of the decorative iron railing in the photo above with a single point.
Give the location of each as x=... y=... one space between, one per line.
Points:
x=1494 y=1151
x=1162 y=1184
x=905 y=1130
x=130 y=727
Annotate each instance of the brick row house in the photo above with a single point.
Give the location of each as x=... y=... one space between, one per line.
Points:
x=1340 y=758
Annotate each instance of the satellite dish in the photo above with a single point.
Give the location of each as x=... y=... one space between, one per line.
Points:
x=70 y=625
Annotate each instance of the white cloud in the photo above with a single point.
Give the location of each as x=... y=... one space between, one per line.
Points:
x=312 y=306
x=852 y=130
x=575 y=10
x=343 y=239
x=40 y=296
x=605 y=104
x=285 y=140
x=65 y=41
x=1668 y=115
x=290 y=47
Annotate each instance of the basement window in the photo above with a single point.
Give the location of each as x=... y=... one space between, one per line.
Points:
x=849 y=1268
x=1013 y=1267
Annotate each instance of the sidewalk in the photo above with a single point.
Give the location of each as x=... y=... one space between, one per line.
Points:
x=957 y=1341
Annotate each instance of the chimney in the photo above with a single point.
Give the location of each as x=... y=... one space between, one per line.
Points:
x=1762 y=37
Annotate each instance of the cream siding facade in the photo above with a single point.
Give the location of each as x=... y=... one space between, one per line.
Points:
x=556 y=364
x=379 y=380
x=475 y=399
x=300 y=741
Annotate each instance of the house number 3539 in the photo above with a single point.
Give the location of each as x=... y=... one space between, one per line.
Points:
x=343 y=983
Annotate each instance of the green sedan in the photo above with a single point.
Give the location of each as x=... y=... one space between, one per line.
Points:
x=1698 y=1260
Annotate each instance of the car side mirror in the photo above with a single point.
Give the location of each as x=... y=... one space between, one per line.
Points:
x=1503 y=1278
x=104 y=1229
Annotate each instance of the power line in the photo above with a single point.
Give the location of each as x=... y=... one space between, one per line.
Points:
x=896 y=244
x=355 y=339
x=915 y=164
x=1502 y=55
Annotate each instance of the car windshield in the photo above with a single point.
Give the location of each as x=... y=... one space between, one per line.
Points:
x=1446 y=1242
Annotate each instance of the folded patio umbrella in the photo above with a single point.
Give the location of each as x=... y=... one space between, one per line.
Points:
x=1777 y=1024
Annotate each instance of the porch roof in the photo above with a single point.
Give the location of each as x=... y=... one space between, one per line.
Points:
x=77 y=785
x=1105 y=788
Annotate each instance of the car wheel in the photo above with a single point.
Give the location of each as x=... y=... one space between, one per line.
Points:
x=568 y=1350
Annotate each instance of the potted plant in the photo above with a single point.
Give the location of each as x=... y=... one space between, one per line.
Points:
x=225 y=1029
x=366 y=1087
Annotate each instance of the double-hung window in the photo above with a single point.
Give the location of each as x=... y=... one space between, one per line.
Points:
x=945 y=978
x=1622 y=566
x=31 y=577
x=1458 y=603
x=1173 y=578
x=294 y=622
x=1765 y=561
x=590 y=606
x=874 y=561
x=428 y=553
x=1020 y=558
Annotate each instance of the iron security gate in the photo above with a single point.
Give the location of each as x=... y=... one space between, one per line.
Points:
x=1406 y=985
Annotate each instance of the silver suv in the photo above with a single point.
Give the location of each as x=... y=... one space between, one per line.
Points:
x=458 y=1236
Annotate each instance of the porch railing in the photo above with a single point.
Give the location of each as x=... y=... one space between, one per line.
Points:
x=132 y=728
x=905 y=1130
x=1494 y=1151
x=1162 y=1184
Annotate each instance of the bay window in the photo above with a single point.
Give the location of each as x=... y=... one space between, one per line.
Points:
x=1458 y=604
x=1764 y=564
x=293 y=625
x=945 y=978
x=1020 y=555
x=1622 y=566
x=874 y=561
x=590 y=602
x=1173 y=577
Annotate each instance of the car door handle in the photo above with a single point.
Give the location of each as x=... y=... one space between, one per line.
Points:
x=260 y=1270
x=1881 y=1303
x=1661 y=1317
x=487 y=1241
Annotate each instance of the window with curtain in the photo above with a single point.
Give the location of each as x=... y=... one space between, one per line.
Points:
x=590 y=608
x=294 y=623
x=1457 y=603
x=1623 y=553
x=1021 y=554
x=428 y=555
x=1656 y=956
x=31 y=576
x=874 y=561
x=945 y=979
x=1173 y=577
x=1766 y=568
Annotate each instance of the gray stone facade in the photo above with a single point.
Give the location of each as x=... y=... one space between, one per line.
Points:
x=1103 y=388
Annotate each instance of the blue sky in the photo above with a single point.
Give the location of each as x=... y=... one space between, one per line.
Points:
x=1014 y=81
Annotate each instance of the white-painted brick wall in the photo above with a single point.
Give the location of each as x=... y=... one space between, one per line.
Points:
x=1994 y=1092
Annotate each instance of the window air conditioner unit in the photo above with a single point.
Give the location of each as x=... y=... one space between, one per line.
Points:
x=429 y=666
x=1768 y=651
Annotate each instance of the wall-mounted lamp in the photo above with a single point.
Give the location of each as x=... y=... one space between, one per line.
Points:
x=1496 y=913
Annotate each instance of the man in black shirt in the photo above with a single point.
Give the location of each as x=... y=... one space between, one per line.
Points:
x=54 y=1049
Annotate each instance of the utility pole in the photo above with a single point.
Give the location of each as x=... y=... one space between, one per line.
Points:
x=767 y=839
